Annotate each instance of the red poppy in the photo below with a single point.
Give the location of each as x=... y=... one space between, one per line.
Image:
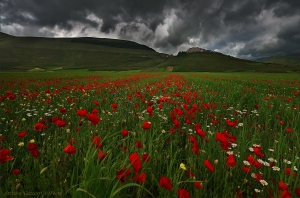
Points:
x=288 y=172
x=297 y=191
x=81 y=113
x=115 y=106
x=146 y=125
x=289 y=130
x=135 y=162
x=38 y=127
x=35 y=153
x=230 y=161
x=22 y=134
x=138 y=144
x=140 y=178
x=123 y=174
x=286 y=194
x=94 y=119
x=198 y=185
x=16 y=171
x=245 y=169
x=96 y=141
x=70 y=149
x=101 y=155
x=145 y=157
x=32 y=146
x=282 y=185
x=7 y=111
x=124 y=133
x=95 y=111
x=209 y=166
x=182 y=193
x=4 y=156
x=166 y=183
x=257 y=152
x=60 y=123
x=96 y=103
x=62 y=110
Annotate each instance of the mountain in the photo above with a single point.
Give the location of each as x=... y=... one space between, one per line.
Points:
x=102 y=54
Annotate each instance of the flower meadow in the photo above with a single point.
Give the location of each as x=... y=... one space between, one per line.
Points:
x=150 y=135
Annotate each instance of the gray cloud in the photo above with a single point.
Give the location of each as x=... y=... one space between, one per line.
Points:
x=249 y=29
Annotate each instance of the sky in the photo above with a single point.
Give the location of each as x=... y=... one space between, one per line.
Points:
x=246 y=29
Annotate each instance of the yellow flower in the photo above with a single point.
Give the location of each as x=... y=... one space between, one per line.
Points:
x=21 y=144
x=182 y=166
x=32 y=141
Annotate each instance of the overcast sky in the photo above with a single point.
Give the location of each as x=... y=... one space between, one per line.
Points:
x=241 y=28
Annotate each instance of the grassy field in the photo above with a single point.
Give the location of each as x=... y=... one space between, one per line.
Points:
x=285 y=60
x=53 y=54
x=158 y=134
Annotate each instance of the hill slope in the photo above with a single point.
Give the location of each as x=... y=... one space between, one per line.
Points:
x=100 y=54
x=284 y=60
x=25 y=53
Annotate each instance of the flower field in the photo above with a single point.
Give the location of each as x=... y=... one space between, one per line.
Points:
x=150 y=135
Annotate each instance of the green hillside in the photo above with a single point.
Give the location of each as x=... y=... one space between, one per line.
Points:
x=284 y=60
x=100 y=54
x=26 y=53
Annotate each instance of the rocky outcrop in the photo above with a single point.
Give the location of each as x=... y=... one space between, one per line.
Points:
x=196 y=49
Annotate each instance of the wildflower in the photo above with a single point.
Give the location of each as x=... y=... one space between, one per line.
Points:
x=4 y=156
x=94 y=119
x=135 y=162
x=209 y=166
x=140 y=178
x=16 y=171
x=256 y=190
x=163 y=131
x=101 y=155
x=124 y=133
x=38 y=126
x=123 y=174
x=198 y=185
x=166 y=183
x=276 y=168
x=263 y=182
x=69 y=149
x=96 y=141
x=246 y=163
x=145 y=157
x=182 y=166
x=32 y=141
x=21 y=144
x=81 y=113
x=230 y=161
x=182 y=193
x=282 y=185
x=146 y=125
x=22 y=134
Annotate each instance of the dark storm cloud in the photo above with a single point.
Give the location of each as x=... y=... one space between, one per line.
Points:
x=249 y=28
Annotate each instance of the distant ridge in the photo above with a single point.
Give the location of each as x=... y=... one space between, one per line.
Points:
x=39 y=54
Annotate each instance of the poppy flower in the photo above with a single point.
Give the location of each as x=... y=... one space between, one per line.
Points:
x=35 y=153
x=81 y=113
x=22 y=134
x=95 y=111
x=69 y=149
x=286 y=194
x=101 y=155
x=230 y=161
x=145 y=157
x=115 y=106
x=123 y=174
x=124 y=133
x=166 y=183
x=146 y=125
x=245 y=169
x=62 y=110
x=4 y=156
x=289 y=130
x=140 y=178
x=60 y=123
x=282 y=185
x=94 y=119
x=38 y=127
x=96 y=103
x=16 y=171
x=96 y=141
x=288 y=172
x=198 y=185
x=209 y=166
x=135 y=162
x=182 y=193
x=32 y=146
x=297 y=191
